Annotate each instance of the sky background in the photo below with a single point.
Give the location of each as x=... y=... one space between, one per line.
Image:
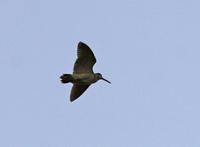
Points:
x=148 y=49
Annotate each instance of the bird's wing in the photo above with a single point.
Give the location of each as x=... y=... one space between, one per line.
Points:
x=77 y=90
x=85 y=59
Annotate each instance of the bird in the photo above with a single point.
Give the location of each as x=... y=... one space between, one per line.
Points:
x=83 y=75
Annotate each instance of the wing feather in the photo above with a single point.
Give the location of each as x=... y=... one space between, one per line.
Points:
x=85 y=59
x=77 y=90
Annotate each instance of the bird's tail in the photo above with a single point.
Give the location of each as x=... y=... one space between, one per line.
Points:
x=66 y=78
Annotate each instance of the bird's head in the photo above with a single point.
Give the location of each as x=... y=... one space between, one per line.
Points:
x=100 y=77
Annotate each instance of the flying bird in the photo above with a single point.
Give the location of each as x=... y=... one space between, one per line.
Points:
x=83 y=75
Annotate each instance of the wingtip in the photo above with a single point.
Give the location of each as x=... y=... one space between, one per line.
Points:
x=72 y=99
x=80 y=42
x=83 y=45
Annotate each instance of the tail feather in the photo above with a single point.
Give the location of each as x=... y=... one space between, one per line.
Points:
x=66 y=78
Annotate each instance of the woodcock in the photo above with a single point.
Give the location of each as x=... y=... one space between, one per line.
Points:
x=83 y=75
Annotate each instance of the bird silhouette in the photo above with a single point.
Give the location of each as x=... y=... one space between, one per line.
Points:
x=83 y=75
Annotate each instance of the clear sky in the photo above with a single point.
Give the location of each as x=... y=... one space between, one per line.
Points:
x=148 y=49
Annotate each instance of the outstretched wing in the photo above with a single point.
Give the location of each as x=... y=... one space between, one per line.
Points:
x=86 y=59
x=77 y=90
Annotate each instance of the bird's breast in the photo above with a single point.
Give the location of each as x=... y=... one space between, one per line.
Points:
x=84 y=78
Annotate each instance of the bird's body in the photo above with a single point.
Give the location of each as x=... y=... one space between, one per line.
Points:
x=83 y=75
x=83 y=78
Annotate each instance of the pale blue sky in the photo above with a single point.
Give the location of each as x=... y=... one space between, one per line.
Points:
x=148 y=49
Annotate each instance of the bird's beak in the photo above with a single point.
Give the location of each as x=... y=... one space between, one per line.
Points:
x=106 y=80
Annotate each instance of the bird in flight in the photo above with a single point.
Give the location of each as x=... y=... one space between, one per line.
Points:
x=83 y=75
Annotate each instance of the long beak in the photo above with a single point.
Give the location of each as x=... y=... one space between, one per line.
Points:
x=106 y=80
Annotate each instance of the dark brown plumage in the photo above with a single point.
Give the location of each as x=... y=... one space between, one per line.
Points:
x=83 y=75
